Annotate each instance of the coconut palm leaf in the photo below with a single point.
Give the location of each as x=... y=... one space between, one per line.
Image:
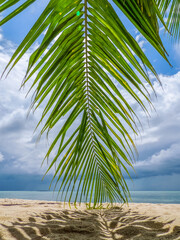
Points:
x=172 y=10
x=84 y=64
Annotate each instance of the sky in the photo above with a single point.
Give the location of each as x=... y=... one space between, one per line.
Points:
x=158 y=163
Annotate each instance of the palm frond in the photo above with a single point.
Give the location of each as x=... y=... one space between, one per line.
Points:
x=85 y=47
x=145 y=16
x=171 y=9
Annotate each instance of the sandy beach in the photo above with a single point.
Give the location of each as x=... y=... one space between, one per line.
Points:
x=29 y=219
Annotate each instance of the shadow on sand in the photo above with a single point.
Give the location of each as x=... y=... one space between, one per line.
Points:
x=90 y=224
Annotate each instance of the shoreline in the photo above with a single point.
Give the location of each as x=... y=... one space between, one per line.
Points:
x=22 y=219
x=165 y=197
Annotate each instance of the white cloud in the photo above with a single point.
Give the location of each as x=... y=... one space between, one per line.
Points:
x=176 y=51
x=1 y=157
x=16 y=130
x=140 y=40
x=159 y=146
x=161 y=29
x=1 y=37
x=166 y=161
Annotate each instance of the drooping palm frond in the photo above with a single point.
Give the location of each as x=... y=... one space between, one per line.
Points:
x=171 y=9
x=145 y=16
x=85 y=61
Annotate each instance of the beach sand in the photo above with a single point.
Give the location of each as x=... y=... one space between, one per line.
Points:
x=29 y=219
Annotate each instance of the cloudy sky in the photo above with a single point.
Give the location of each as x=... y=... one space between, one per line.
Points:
x=158 y=164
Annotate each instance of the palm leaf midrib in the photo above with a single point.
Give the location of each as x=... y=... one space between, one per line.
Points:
x=89 y=109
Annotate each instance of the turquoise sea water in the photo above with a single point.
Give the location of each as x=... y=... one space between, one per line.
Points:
x=170 y=197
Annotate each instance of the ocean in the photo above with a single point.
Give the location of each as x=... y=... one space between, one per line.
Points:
x=169 y=197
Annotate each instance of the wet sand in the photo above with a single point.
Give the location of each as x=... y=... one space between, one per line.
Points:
x=31 y=219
